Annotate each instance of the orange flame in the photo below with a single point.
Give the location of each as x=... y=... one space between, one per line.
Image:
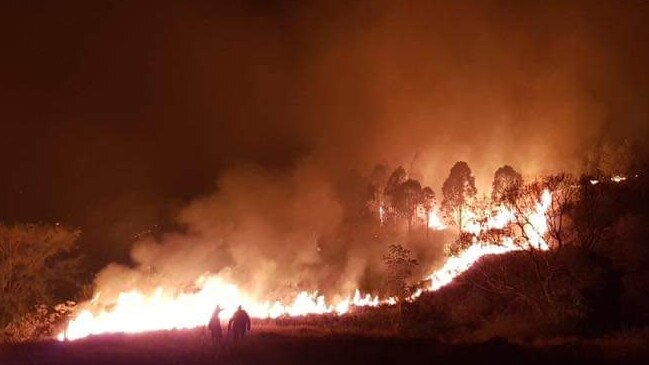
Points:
x=454 y=266
x=134 y=311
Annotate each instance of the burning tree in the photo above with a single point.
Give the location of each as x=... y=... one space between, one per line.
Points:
x=551 y=269
x=506 y=185
x=546 y=230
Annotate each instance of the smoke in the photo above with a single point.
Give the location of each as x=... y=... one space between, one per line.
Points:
x=419 y=84
x=491 y=84
x=265 y=231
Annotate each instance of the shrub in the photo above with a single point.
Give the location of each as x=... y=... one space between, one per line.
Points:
x=42 y=323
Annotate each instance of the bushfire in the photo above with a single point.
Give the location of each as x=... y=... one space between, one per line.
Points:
x=165 y=309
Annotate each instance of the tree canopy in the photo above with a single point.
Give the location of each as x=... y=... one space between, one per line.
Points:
x=458 y=189
x=37 y=262
x=507 y=184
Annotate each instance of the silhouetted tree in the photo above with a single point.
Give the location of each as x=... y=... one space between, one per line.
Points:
x=458 y=190
x=36 y=262
x=406 y=198
x=506 y=185
x=397 y=177
x=557 y=194
x=542 y=221
x=400 y=265
x=428 y=203
x=376 y=189
x=392 y=190
x=564 y=192
x=379 y=175
x=378 y=179
x=611 y=159
x=595 y=213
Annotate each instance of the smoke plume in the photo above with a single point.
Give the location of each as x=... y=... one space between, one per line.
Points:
x=419 y=84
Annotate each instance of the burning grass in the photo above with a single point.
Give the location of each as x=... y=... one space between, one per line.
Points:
x=134 y=311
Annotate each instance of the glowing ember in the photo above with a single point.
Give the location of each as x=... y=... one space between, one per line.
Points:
x=618 y=178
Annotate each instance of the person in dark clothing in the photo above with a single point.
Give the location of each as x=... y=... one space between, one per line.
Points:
x=239 y=324
x=215 y=326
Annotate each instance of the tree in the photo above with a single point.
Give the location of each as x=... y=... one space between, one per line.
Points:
x=428 y=202
x=379 y=176
x=376 y=190
x=392 y=187
x=400 y=265
x=595 y=212
x=564 y=192
x=541 y=227
x=507 y=184
x=397 y=177
x=611 y=159
x=406 y=197
x=458 y=191
x=542 y=214
x=37 y=262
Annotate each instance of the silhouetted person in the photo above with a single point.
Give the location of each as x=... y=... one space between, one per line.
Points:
x=215 y=326
x=239 y=324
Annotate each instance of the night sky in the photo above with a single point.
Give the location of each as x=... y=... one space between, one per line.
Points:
x=116 y=113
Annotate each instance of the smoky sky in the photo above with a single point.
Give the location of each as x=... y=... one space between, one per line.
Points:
x=117 y=117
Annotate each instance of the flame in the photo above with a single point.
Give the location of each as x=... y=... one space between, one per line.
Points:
x=134 y=311
x=454 y=266
x=434 y=222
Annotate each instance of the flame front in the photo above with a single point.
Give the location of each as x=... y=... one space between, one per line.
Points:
x=134 y=311
x=535 y=231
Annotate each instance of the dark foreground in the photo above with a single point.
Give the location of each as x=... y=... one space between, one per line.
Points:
x=193 y=347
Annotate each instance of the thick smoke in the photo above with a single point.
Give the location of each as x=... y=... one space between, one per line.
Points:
x=271 y=233
x=418 y=84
